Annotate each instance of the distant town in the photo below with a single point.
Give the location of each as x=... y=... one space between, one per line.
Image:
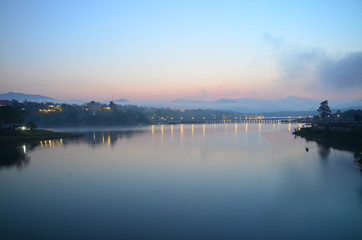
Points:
x=15 y=113
x=27 y=114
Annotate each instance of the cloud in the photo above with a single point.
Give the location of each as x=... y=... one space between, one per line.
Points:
x=275 y=41
x=345 y=73
x=301 y=66
x=315 y=71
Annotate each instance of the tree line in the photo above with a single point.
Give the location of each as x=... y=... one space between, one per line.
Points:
x=48 y=114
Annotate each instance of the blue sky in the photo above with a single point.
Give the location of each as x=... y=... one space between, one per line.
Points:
x=162 y=50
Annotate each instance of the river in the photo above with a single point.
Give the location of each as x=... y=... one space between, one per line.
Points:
x=211 y=181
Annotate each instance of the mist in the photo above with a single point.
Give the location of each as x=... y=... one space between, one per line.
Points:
x=345 y=72
x=315 y=71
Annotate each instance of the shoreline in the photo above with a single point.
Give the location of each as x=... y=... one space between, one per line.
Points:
x=332 y=134
x=347 y=138
x=34 y=135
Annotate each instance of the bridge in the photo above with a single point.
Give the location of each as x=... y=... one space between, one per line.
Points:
x=237 y=120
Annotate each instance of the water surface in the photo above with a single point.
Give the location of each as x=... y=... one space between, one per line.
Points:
x=226 y=181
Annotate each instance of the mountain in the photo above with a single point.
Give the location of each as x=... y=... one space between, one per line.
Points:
x=250 y=105
x=243 y=105
x=294 y=103
x=186 y=101
x=23 y=96
x=40 y=98
x=121 y=100
x=351 y=105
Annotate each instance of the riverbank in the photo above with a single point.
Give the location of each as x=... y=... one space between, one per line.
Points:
x=332 y=134
x=13 y=137
x=347 y=138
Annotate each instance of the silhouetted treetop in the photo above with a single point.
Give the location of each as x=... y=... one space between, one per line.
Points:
x=324 y=109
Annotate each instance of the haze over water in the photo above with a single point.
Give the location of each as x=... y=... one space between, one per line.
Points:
x=222 y=181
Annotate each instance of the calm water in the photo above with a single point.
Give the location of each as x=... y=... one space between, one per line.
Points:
x=244 y=181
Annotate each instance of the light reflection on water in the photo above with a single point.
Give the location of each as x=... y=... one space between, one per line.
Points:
x=217 y=181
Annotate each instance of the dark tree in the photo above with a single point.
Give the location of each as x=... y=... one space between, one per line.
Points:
x=113 y=106
x=11 y=114
x=31 y=125
x=324 y=109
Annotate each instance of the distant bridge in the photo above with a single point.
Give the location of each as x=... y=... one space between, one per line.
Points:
x=238 y=120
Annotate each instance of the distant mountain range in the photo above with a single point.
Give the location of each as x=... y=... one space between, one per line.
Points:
x=244 y=105
x=254 y=105
x=23 y=97
x=121 y=101
x=251 y=105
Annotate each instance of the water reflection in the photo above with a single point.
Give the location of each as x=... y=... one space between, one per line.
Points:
x=51 y=143
x=182 y=182
x=110 y=138
x=181 y=131
x=15 y=156
x=324 y=151
x=18 y=156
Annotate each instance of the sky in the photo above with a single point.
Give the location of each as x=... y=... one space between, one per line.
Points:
x=163 y=50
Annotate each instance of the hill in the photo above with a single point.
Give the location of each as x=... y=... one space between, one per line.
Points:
x=23 y=97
